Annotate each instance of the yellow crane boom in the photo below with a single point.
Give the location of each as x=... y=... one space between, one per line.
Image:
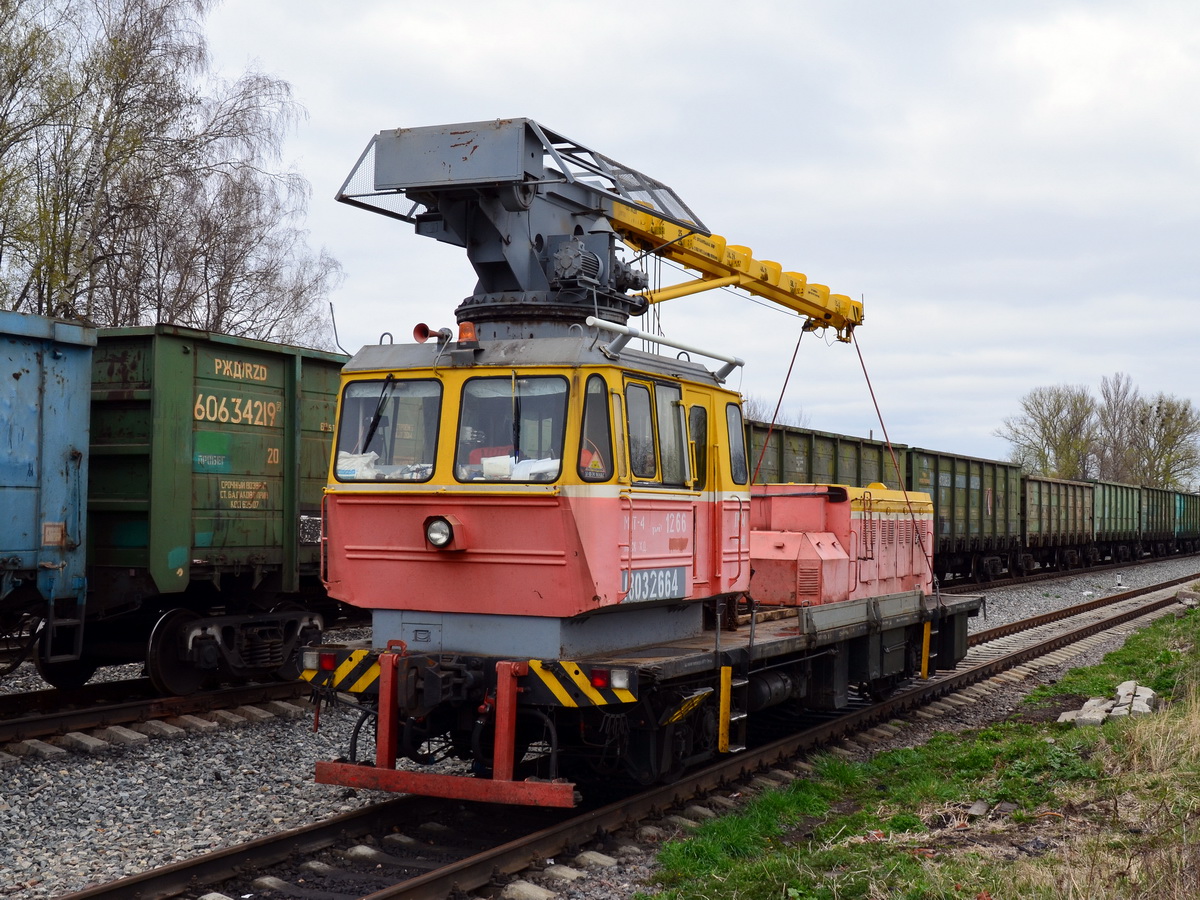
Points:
x=721 y=264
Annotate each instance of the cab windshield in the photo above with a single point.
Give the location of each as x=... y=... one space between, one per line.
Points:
x=511 y=429
x=388 y=430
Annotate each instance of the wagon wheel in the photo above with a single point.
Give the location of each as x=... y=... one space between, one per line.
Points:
x=979 y=571
x=166 y=664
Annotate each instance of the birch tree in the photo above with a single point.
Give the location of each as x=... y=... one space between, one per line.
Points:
x=1063 y=432
x=156 y=194
x=1054 y=434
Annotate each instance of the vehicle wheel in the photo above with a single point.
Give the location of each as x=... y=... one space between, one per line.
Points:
x=878 y=689
x=976 y=570
x=67 y=675
x=169 y=671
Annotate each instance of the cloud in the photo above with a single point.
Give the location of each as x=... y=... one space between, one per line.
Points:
x=1012 y=189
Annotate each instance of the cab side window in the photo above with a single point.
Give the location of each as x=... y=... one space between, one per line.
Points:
x=672 y=446
x=642 y=460
x=737 y=444
x=658 y=446
x=698 y=433
x=595 y=443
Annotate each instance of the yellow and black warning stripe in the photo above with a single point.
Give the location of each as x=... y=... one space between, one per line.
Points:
x=357 y=673
x=565 y=683
x=553 y=682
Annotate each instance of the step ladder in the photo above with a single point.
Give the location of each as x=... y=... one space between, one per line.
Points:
x=735 y=711
x=62 y=638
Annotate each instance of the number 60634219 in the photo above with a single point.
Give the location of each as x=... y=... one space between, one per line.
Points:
x=235 y=410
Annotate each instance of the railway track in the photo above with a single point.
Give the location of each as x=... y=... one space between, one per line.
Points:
x=35 y=714
x=383 y=851
x=53 y=713
x=1069 y=612
x=1039 y=575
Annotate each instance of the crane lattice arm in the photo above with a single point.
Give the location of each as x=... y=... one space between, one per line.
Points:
x=539 y=216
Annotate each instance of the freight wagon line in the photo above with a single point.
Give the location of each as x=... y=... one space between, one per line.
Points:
x=162 y=493
x=991 y=520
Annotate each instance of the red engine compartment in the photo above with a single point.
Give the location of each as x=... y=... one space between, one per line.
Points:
x=812 y=544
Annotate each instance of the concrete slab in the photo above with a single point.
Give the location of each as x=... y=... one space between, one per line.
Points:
x=526 y=890
x=83 y=742
x=119 y=734
x=158 y=728
x=193 y=723
x=34 y=747
x=593 y=859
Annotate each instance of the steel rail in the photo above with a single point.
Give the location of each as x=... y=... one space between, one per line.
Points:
x=964 y=586
x=193 y=874
x=999 y=631
x=61 y=721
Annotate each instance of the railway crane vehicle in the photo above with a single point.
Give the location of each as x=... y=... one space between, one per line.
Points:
x=555 y=532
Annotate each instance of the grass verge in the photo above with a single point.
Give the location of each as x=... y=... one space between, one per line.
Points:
x=1071 y=812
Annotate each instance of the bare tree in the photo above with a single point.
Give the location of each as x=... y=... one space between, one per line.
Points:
x=759 y=409
x=1063 y=432
x=1164 y=442
x=1055 y=433
x=1116 y=416
x=156 y=195
x=225 y=253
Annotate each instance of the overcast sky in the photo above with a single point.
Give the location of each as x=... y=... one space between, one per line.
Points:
x=1011 y=188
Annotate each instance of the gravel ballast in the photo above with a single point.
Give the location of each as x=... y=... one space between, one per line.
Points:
x=83 y=819
x=1009 y=604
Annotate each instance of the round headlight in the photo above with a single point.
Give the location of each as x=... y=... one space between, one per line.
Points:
x=438 y=532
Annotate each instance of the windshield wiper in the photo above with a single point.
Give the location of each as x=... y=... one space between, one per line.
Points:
x=375 y=419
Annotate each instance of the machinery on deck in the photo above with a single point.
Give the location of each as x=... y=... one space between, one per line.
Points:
x=555 y=532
